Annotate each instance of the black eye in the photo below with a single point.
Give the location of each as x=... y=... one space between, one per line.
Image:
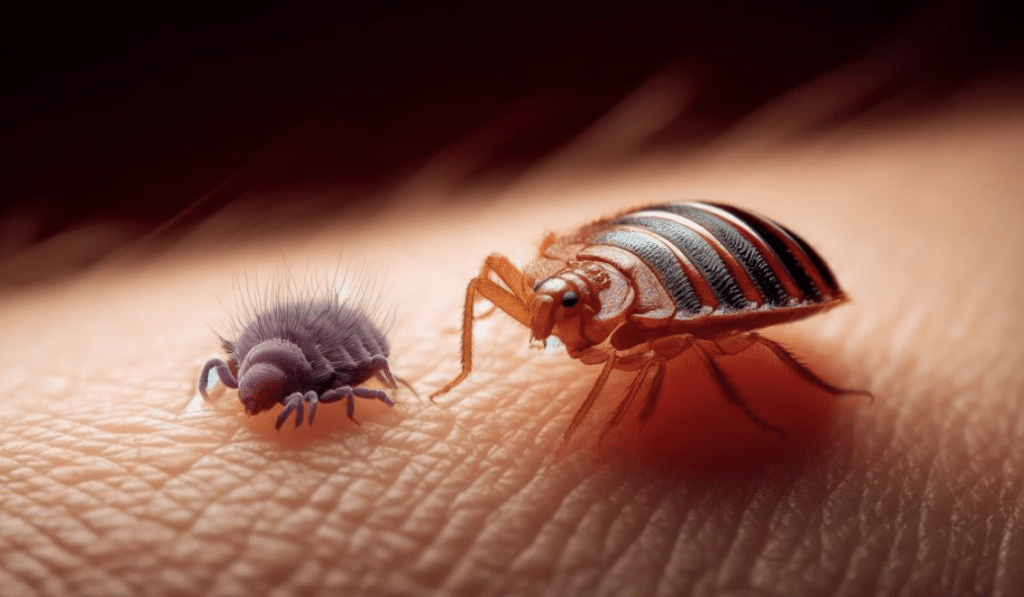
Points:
x=569 y=299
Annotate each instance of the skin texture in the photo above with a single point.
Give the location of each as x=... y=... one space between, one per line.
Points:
x=115 y=482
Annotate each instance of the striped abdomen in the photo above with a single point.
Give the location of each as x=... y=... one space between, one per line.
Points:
x=709 y=255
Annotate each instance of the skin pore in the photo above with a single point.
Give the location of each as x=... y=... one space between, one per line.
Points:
x=115 y=481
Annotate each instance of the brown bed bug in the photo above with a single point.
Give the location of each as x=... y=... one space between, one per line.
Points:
x=637 y=289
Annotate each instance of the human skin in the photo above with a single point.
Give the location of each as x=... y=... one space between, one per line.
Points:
x=116 y=482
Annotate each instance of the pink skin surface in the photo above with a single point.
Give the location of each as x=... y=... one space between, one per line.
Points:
x=116 y=482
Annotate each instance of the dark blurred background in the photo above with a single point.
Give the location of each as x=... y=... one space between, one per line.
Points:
x=134 y=113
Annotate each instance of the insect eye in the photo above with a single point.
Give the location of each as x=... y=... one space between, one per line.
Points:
x=569 y=299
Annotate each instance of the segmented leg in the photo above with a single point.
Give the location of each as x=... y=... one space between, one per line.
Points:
x=627 y=402
x=512 y=301
x=800 y=369
x=730 y=394
x=384 y=374
x=223 y=372
x=666 y=349
x=653 y=392
x=294 y=403
x=350 y=393
x=373 y=395
x=408 y=386
x=383 y=370
x=336 y=394
x=588 y=403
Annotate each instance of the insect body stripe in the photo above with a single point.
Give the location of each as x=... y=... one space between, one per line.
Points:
x=706 y=260
x=754 y=263
x=739 y=275
x=819 y=266
x=660 y=260
x=791 y=289
x=787 y=251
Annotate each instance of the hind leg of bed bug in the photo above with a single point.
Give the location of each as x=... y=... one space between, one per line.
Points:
x=730 y=394
x=294 y=403
x=732 y=345
x=223 y=373
x=801 y=370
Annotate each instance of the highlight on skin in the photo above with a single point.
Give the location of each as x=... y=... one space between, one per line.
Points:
x=109 y=488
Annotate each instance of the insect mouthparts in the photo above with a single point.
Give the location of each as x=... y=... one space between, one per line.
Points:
x=663 y=279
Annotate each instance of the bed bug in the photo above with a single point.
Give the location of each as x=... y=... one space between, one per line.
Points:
x=303 y=349
x=637 y=289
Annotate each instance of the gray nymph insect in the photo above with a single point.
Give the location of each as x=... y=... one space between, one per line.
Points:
x=299 y=348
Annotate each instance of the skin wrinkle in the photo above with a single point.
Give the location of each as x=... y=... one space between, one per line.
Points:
x=592 y=535
x=944 y=427
x=507 y=545
x=668 y=583
x=551 y=549
x=629 y=525
x=581 y=498
x=627 y=574
x=694 y=535
x=436 y=553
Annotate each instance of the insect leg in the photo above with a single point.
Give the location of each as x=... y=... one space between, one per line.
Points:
x=223 y=372
x=503 y=299
x=665 y=349
x=800 y=369
x=374 y=394
x=384 y=374
x=730 y=395
x=588 y=403
x=631 y=393
x=509 y=274
x=350 y=393
x=342 y=392
x=292 y=403
x=652 y=394
x=383 y=370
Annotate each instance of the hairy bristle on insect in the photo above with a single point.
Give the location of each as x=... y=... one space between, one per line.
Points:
x=356 y=288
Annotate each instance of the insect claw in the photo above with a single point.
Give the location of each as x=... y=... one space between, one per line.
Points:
x=266 y=360
x=351 y=408
x=312 y=412
x=281 y=418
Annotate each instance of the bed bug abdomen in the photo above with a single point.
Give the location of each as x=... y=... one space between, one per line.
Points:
x=635 y=290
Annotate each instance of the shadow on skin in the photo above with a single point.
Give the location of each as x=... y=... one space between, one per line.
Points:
x=694 y=428
x=330 y=421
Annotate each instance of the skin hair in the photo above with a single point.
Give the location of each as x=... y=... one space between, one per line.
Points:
x=112 y=486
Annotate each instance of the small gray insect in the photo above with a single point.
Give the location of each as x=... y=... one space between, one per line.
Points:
x=302 y=350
